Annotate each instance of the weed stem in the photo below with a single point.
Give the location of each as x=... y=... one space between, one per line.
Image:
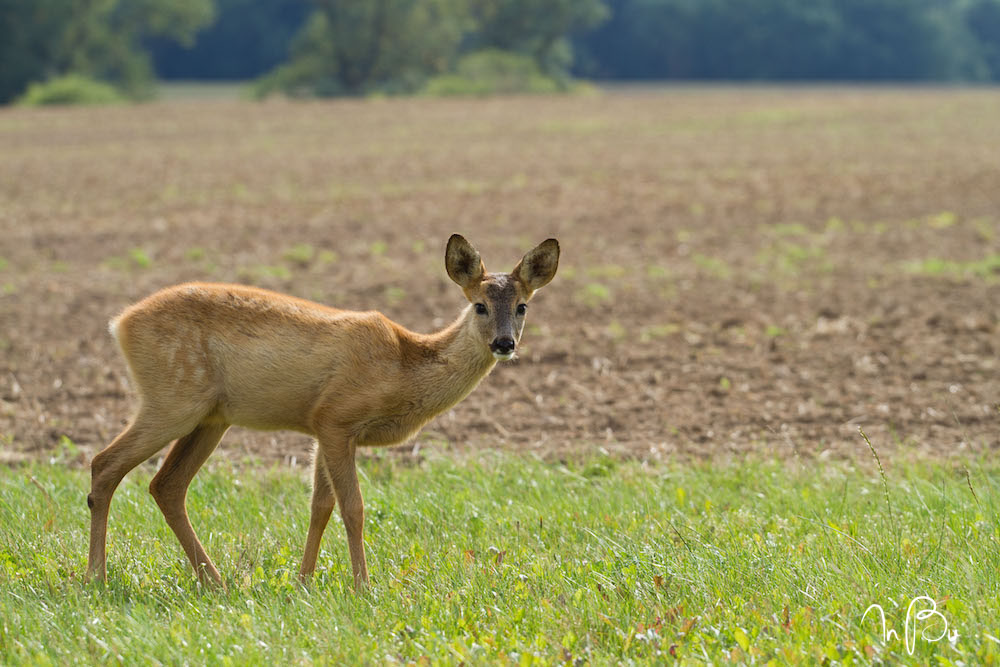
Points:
x=881 y=472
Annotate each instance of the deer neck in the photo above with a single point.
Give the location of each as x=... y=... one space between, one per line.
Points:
x=461 y=362
x=462 y=350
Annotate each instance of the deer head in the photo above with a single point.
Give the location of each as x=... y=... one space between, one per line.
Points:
x=500 y=300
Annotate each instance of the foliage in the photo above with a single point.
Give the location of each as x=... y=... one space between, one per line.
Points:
x=352 y=48
x=248 y=37
x=332 y=47
x=983 y=21
x=397 y=45
x=492 y=72
x=539 y=29
x=70 y=89
x=100 y=39
x=507 y=560
x=27 y=31
x=733 y=39
x=787 y=39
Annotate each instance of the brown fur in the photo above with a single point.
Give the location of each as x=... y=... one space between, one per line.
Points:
x=205 y=356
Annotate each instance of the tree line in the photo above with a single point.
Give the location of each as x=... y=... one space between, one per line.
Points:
x=852 y=40
x=351 y=47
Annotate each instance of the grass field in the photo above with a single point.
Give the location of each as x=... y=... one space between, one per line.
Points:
x=502 y=559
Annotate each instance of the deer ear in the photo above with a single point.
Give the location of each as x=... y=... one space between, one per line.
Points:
x=539 y=266
x=463 y=262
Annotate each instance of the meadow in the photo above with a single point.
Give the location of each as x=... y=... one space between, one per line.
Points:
x=509 y=560
x=673 y=469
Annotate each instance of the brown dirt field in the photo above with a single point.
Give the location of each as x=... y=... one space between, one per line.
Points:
x=744 y=270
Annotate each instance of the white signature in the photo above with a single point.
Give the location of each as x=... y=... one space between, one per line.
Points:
x=927 y=609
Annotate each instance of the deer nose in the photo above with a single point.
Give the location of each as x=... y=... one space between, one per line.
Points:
x=502 y=345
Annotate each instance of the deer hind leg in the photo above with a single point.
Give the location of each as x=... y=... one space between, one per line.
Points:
x=169 y=489
x=141 y=439
x=323 y=502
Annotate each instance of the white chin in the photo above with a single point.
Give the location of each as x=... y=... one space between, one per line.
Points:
x=503 y=357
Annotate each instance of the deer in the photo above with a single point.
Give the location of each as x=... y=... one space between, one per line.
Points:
x=205 y=356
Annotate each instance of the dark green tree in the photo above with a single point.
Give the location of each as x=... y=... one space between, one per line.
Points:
x=786 y=39
x=714 y=39
x=97 y=38
x=892 y=39
x=356 y=46
x=765 y=39
x=982 y=18
x=25 y=50
x=352 y=47
x=247 y=38
x=537 y=28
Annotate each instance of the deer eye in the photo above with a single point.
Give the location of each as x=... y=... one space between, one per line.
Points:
x=522 y=308
x=481 y=309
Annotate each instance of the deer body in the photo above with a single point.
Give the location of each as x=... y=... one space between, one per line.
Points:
x=205 y=356
x=254 y=358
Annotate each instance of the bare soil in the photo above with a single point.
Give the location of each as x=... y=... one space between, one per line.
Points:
x=748 y=270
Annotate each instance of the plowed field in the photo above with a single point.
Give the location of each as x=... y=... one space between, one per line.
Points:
x=744 y=270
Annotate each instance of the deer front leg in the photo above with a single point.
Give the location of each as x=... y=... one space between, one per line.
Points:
x=323 y=502
x=344 y=480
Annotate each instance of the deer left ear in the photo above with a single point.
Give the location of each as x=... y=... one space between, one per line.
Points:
x=539 y=266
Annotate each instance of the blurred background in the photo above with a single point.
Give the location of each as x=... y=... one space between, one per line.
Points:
x=439 y=47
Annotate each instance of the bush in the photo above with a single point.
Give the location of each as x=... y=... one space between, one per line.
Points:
x=492 y=72
x=70 y=89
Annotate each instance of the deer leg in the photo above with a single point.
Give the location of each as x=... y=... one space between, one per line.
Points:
x=143 y=438
x=344 y=479
x=323 y=502
x=169 y=489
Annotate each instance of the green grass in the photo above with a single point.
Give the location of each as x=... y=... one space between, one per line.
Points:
x=137 y=258
x=301 y=254
x=987 y=268
x=498 y=559
x=594 y=294
x=713 y=266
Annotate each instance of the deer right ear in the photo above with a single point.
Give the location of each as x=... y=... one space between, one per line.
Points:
x=463 y=262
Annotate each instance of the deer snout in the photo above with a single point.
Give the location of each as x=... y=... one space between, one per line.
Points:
x=502 y=347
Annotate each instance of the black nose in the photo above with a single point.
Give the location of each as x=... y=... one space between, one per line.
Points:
x=502 y=345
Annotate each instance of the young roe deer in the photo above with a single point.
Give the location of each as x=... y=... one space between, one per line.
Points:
x=205 y=356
